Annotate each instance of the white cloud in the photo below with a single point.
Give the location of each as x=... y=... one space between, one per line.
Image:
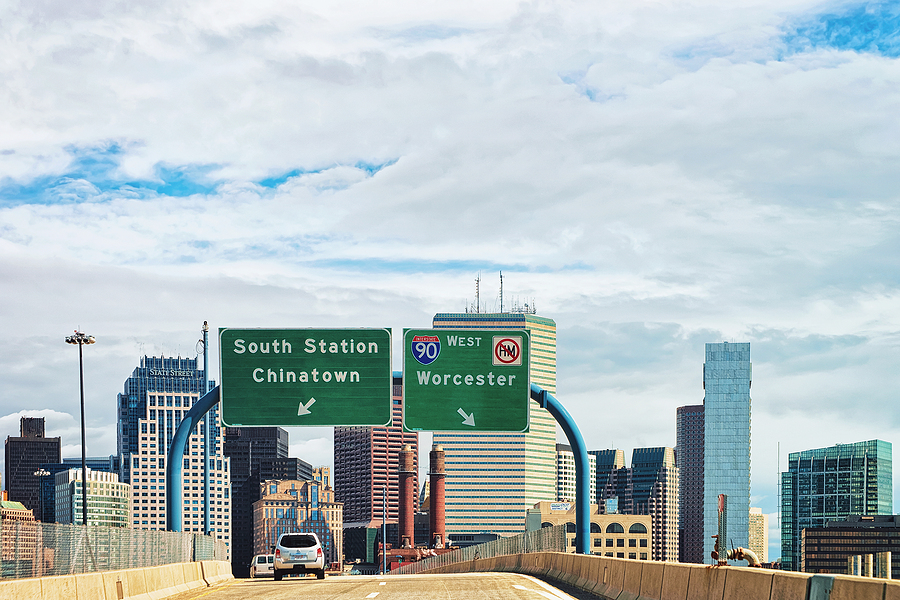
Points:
x=653 y=175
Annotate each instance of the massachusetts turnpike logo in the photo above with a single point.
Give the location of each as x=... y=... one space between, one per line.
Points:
x=425 y=348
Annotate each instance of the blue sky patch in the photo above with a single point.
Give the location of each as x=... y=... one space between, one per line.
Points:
x=872 y=27
x=277 y=180
x=429 y=31
x=489 y=270
x=92 y=175
x=577 y=80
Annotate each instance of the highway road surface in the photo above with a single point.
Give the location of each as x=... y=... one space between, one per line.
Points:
x=470 y=586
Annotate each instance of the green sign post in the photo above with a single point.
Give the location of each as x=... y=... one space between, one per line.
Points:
x=466 y=380
x=288 y=377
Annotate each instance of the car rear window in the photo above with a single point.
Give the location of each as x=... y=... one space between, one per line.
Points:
x=298 y=540
x=271 y=558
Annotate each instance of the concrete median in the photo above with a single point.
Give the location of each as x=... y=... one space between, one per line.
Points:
x=193 y=578
x=857 y=588
x=586 y=570
x=611 y=578
x=675 y=581
x=555 y=565
x=787 y=585
x=744 y=582
x=620 y=579
x=89 y=586
x=21 y=589
x=215 y=571
x=706 y=583
x=632 y=587
x=61 y=587
x=136 y=584
x=652 y=580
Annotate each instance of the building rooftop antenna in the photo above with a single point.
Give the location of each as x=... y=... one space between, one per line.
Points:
x=478 y=293
x=501 y=291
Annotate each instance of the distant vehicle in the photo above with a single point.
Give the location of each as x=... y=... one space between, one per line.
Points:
x=262 y=565
x=299 y=553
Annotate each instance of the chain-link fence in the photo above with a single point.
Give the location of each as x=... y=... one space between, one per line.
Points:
x=548 y=539
x=34 y=549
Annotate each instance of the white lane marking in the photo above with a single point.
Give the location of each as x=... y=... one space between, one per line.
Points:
x=546 y=594
x=383 y=583
x=372 y=595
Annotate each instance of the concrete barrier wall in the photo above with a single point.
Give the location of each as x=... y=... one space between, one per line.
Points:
x=149 y=583
x=621 y=579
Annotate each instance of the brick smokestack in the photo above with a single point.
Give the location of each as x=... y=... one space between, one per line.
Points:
x=436 y=492
x=407 y=491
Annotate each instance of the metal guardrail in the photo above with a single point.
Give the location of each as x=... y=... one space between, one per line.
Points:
x=34 y=549
x=548 y=539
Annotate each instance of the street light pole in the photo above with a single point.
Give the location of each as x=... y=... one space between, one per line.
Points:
x=81 y=339
x=384 y=530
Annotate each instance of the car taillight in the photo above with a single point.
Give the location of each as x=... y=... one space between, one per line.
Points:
x=318 y=552
x=277 y=552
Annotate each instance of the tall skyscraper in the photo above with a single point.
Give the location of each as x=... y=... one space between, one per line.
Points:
x=160 y=375
x=830 y=484
x=606 y=461
x=655 y=485
x=689 y=438
x=494 y=478
x=366 y=461
x=649 y=487
x=24 y=456
x=726 y=446
x=249 y=448
x=759 y=534
x=156 y=397
x=565 y=474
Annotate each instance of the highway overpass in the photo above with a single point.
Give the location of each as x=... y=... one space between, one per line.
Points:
x=515 y=576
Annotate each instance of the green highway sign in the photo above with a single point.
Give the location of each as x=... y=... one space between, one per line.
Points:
x=289 y=377
x=466 y=380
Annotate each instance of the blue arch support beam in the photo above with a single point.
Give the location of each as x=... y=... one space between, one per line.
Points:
x=582 y=471
x=175 y=466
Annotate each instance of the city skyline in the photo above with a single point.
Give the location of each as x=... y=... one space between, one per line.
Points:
x=651 y=177
x=774 y=544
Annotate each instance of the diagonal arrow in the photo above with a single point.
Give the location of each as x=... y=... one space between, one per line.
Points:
x=469 y=419
x=304 y=408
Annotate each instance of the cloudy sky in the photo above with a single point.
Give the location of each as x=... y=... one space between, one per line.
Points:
x=651 y=175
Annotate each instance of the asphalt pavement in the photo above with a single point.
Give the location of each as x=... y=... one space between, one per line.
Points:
x=469 y=586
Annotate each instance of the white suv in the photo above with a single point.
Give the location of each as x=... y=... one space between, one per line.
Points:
x=299 y=553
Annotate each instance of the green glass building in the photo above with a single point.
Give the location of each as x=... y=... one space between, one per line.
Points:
x=831 y=484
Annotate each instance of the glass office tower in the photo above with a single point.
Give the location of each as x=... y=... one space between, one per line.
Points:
x=726 y=446
x=830 y=484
